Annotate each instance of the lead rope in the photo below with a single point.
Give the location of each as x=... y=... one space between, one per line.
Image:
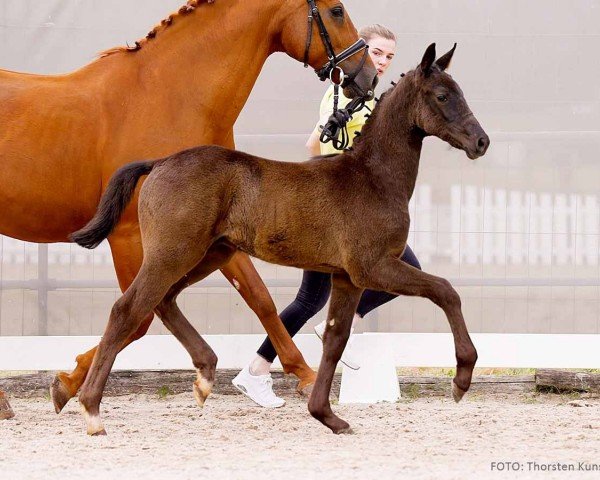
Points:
x=336 y=128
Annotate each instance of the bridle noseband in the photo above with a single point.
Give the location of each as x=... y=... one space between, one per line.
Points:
x=333 y=65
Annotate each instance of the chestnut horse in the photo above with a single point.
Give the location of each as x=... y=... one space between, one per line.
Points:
x=62 y=137
x=222 y=201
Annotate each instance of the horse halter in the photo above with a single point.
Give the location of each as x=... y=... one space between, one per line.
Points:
x=328 y=70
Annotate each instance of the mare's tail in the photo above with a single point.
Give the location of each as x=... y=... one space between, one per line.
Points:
x=114 y=200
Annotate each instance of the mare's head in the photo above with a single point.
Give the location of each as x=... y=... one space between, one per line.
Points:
x=439 y=106
x=307 y=44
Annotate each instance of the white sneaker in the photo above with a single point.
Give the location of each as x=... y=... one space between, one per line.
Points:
x=258 y=388
x=347 y=357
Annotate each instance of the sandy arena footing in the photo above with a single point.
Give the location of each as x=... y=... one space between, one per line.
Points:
x=168 y=437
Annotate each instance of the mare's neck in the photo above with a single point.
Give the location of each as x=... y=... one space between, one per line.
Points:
x=390 y=145
x=201 y=67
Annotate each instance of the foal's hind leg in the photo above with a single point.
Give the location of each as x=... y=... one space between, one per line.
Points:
x=344 y=300
x=126 y=249
x=241 y=273
x=203 y=357
x=162 y=268
x=395 y=276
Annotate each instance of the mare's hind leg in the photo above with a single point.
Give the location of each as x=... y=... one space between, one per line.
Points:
x=203 y=357
x=395 y=276
x=241 y=273
x=126 y=249
x=344 y=300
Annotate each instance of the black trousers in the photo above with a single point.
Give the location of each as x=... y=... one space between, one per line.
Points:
x=312 y=297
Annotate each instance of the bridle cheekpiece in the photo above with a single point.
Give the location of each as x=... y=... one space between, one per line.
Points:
x=333 y=65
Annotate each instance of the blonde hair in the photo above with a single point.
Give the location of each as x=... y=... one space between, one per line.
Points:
x=370 y=31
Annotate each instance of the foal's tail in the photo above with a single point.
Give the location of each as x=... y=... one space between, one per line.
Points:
x=114 y=200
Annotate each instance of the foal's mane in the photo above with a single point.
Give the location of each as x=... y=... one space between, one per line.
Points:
x=380 y=104
x=186 y=9
x=374 y=113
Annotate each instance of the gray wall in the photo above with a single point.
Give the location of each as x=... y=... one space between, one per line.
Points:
x=518 y=230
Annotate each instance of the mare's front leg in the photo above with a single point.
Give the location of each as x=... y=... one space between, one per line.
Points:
x=243 y=276
x=344 y=300
x=394 y=276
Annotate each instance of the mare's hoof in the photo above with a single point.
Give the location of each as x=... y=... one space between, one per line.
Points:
x=101 y=433
x=6 y=412
x=59 y=393
x=305 y=390
x=457 y=392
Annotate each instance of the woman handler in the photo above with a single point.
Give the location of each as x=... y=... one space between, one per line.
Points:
x=255 y=379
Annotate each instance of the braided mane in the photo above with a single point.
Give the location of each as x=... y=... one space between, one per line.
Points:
x=186 y=9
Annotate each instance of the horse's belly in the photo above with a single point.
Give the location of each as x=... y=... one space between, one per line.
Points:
x=40 y=225
x=42 y=216
x=296 y=250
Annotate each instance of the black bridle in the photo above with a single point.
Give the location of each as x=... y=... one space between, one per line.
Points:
x=333 y=65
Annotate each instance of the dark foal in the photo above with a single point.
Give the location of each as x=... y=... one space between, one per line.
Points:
x=198 y=207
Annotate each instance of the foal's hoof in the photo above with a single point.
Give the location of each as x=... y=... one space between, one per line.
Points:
x=93 y=422
x=344 y=431
x=202 y=390
x=200 y=399
x=457 y=392
x=59 y=393
x=339 y=426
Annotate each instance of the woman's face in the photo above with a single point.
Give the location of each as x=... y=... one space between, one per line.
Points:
x=381 y=51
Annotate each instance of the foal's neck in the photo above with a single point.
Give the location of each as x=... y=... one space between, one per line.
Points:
x=390 y=145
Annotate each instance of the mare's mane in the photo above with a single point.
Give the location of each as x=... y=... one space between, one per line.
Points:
x=186 y=9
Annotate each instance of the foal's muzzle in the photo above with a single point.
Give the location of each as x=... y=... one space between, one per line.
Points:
x=477 y=145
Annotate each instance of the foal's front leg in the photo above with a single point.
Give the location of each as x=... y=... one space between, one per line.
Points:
x=344 y=300
x=203 y=356
x=395 y=276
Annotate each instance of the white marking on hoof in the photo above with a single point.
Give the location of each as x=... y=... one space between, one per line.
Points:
x=332 y=322
x=93 y=423
x=202 y=389
x=236 y=284
x=457 y=392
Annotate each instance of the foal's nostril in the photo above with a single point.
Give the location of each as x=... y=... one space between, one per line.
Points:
x=483 y=143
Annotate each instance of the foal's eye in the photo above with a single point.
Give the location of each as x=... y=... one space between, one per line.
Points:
x=442 y=98
x=337 y=12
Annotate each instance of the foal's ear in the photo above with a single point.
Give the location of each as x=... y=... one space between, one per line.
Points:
x=428 y=60
x=444 y=61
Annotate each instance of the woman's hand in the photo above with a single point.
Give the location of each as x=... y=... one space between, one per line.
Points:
x=313 y=145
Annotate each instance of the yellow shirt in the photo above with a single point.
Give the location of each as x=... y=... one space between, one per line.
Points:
x=354 y=125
